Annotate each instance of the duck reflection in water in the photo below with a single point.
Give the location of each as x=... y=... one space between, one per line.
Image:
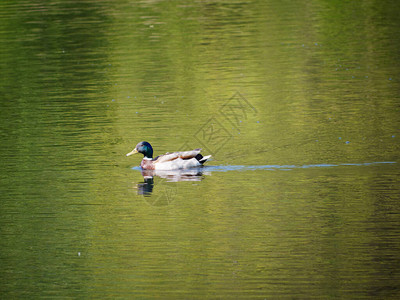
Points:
x=145 y=188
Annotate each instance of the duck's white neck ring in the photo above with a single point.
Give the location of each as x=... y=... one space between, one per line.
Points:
x=146 y=158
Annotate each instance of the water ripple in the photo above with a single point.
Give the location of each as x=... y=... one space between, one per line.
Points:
x=226 y=168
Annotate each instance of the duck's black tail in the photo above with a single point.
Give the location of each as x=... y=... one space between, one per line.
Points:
x=202 y=159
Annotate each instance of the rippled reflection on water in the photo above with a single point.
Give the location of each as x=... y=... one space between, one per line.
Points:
x=297 y=101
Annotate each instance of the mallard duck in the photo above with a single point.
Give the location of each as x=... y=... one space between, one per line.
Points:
x=168 y=161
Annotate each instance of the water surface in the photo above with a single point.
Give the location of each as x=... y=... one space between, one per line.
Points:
x=297 y=102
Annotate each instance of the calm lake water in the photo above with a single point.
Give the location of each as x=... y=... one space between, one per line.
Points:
x=297 y=101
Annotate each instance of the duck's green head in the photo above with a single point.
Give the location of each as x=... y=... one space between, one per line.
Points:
x=144 y=148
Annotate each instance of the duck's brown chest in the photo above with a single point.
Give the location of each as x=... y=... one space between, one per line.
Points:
x=147 y=164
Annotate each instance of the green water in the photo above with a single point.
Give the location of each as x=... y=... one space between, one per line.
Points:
x=297 y=101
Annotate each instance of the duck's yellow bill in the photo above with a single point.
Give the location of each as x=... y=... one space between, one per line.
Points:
x=134 y=151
